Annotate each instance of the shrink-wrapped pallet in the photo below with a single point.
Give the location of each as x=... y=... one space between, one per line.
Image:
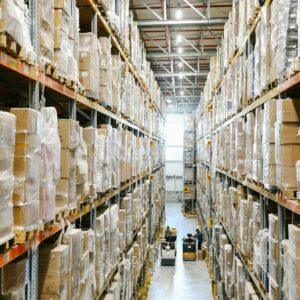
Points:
x=66 y=188
x=89 y=53
x=257 y=162
x=50 y=164
x=15 y=22
x=46 y=32
x=27 y=166
x=7 y=146
x=249 y=145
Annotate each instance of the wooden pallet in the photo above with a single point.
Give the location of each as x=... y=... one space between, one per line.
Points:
x=12 y=48
x=7 y=242
x=24 y=235
x=109 y=107
x=288 y=193
x=63 y=214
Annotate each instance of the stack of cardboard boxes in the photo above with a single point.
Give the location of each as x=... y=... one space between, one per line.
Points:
x=53 y=271
x=89 y=57
x=27 y=167
x=50 y=163
x=287 y=143
x=66 y=39
x=91 y=139
x=7 y=145
x=106 y=73
x=13 y=279
x=66 y=188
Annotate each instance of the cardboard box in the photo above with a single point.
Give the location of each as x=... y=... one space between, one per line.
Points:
x=13 y=276
x=27 y=215
x=66 y=194
x=67 y=129
x=52 y=282
x=288 y=110
x=67 y=163
x=54 y=259
x=287 y=155
x=28 y=120
x=286 y=133
x=286 y=177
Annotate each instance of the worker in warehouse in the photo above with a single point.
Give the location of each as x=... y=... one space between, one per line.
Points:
x=168 y=234
x=199 y=237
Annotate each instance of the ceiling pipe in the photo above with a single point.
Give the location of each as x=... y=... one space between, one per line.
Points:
x=181 y=74
x=177 y=55
x=187 y=22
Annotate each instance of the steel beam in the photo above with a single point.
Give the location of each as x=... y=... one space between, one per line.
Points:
x=198 y=12
x=182 y=23
x=178 y=55
x=151 y=10
x=182 y=74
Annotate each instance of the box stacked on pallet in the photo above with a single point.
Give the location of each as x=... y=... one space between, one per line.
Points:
x=268 y=146
x=239 y=278
x=87 y=288
x=106 y=72
x=53 y=271
x=14 y=279
x=273 y=256
x=27 y=168
x=291 y=263
x=104 y=167
x=115 y=158
x=250 y=293
x=50 y=164
x=82 y=171
x=125 y=150
x=66 y=32
x=7 y=146
x=46 y=32
x=240 y=146
x=125 y=219
x=284 y=35
x=249 y=145
x=91 y=139
x=287 y=143
x=72 y=238
x=15 y=22
x=107 y=244
x=116 y=81
x=66 y=188
x=257 y=163
x=89 y=53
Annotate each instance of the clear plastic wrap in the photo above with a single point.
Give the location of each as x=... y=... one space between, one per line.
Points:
x=14 y=20
x=50 y=163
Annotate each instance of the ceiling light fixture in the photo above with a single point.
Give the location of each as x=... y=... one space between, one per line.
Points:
x=178 y=13
x=180 y=50
x=181 y=93
x=180 y=75
x=169 y=101
x=180 y=64
x=179 y=38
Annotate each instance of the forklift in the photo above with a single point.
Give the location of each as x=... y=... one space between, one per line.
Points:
x=189 y=248
x=168 y=247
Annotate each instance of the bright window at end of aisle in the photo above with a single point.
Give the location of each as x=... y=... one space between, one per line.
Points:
x=174 y=127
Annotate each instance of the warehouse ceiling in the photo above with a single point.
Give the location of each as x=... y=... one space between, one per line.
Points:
x=180 y=37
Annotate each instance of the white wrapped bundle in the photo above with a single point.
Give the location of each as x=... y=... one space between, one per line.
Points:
x=50 y=163
x=14 y=20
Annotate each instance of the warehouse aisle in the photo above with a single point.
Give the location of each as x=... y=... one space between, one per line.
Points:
x=187 y=280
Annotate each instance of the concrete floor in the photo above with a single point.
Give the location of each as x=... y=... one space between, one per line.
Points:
x=187 y=280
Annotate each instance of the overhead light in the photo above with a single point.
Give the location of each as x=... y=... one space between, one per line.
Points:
x=181 y=93
x=180 y=64
x=180 y=50
x=169 y=101
x=180 y=75
x=178 y=13
x=179 y=38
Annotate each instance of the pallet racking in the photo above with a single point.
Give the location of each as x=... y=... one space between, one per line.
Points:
x=287 y=208
x=23 y=76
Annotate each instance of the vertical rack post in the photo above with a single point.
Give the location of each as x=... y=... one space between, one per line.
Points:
x=34 y=93
x=150 y=211
x=281 y=236
x=34 y=97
